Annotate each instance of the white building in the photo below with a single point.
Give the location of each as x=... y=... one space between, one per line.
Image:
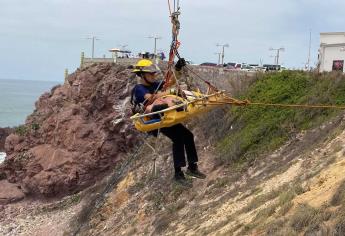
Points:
x=332 y=51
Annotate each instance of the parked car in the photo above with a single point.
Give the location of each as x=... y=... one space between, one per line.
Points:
x=209 y=64
x=234 y=65
x=272 y=67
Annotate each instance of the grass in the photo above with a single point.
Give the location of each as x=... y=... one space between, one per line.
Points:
x=285 y=208
x=61 y=205
x=339 y=229
x=260 y=200
x=339 y=196
x=257 y=129
x=303 y=217
x=266 y=212
x=162 y=222
x=276 y=227
x=308 y=217
x=283 y=196
x=281 y=203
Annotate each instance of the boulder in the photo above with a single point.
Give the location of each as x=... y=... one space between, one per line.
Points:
x=10 y=192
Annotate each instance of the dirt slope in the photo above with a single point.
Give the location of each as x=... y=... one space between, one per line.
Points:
x=306 y=172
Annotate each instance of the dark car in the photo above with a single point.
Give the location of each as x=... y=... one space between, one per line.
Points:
x=209 y=64
x=272 y=67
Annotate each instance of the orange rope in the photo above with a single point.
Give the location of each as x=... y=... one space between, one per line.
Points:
x=169 y=7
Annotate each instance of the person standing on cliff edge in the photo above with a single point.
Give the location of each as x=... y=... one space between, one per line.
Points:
x=181 y=137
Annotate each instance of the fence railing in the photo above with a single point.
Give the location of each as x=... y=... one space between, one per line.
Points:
x=85 y=61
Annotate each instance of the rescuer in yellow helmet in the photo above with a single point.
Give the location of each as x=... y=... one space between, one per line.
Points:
x=148 y=89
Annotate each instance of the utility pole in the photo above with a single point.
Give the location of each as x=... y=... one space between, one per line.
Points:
x=155 y=47
x=223 y=47
x=219 y=55
x=93 y=38
x=261 y=61
x=308 y=61
x=278 y=50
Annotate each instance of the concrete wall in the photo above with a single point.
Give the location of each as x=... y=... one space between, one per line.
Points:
x=332 y=38
x=122 y=61
x=328 y=54
x=233 y=81
x=331 y=49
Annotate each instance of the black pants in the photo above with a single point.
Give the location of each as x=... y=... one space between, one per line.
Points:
x=183 y=140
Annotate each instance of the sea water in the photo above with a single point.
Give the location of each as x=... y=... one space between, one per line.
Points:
x=17 y=99
x=2 y=157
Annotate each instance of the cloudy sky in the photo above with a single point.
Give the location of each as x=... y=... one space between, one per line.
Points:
x=40 y=38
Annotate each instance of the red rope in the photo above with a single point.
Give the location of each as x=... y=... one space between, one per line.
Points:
x=169 y=7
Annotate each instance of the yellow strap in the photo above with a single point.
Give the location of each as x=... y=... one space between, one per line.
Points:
x=233 y=101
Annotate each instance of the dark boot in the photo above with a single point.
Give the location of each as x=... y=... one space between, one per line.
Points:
x=181 y=180
x=194 y=171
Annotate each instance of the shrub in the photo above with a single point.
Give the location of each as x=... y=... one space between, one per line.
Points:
x=249 y=131
x=21 y=130
x=339 y=196
x=303 y=217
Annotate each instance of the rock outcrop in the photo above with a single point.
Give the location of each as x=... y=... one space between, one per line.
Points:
x=10 y=192
x=76 y=134
x=4 y=132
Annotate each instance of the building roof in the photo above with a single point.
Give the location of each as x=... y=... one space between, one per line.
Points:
x=332 y=33
x=332 y=44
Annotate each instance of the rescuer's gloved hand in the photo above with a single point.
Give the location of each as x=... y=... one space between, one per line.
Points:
x=177 y=91
x=173 y=91
x=180 y=64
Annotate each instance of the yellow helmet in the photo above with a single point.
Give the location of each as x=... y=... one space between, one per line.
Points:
x=145 y=65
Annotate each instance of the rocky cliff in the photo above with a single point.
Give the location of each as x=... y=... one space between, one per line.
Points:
x=70 y=140
x=4 y=132
x=295 y=187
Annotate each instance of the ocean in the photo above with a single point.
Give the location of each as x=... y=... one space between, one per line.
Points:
x=17 y=99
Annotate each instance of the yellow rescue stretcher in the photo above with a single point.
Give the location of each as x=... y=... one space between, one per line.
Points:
x=195 y=104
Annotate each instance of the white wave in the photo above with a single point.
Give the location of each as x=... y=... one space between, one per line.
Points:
x=2 y=157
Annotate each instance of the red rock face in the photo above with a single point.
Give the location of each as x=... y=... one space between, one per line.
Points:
x=4 y=132
x=9 y=193
x=70 y=141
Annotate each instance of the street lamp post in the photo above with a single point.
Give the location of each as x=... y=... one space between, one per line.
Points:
x=278 y=50
x=223 y=51
x=219 y=55
x=155 y=47
x=93 y=45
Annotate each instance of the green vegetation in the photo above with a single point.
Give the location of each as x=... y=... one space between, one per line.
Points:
x=21 y=130
x=258 y=129
x=307 y=216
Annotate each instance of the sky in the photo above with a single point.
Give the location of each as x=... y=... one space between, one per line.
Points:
x=40 y=38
